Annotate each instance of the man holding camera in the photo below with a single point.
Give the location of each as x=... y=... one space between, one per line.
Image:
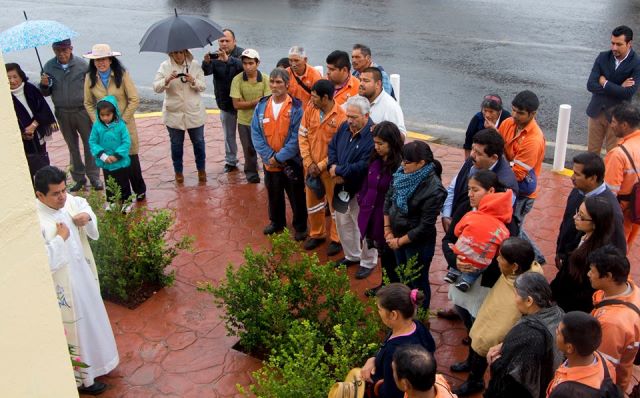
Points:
x=224 y=65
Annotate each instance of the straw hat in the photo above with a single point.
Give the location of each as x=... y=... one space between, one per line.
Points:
x=352 y=387
x=101 y=51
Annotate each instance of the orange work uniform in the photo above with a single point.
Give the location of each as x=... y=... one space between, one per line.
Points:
x=276 y=129
x=525 y=150
x=591 y=375
x=620 y=176
x=309 y=78
x=347 y=90
x=313 y=138
x=620 y=332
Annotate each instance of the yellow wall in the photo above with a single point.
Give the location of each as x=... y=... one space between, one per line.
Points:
x=35 y=360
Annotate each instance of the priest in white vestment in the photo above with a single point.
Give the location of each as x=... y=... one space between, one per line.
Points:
x=66 y=222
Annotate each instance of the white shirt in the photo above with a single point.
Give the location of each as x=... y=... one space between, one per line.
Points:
x=385 y=108
x=19 y=94
x=622 y=60
x=275 y=108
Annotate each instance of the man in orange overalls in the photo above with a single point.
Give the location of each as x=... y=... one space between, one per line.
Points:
x=302 y=75
x=321 y=120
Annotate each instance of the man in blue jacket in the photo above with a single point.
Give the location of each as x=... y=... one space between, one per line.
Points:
x=612 y=80
x=349 y=152
x=274 y=132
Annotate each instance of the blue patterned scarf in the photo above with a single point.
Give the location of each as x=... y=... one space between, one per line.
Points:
x=405 y=184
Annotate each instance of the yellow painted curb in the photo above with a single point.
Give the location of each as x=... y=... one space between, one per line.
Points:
x=419 y=136
x=158 y=114
x=564 y=172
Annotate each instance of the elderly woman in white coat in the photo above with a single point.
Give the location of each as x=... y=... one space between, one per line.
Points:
x=182 y=80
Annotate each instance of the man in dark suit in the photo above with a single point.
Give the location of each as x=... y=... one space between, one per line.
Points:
x=588 y=180
x=612 y=81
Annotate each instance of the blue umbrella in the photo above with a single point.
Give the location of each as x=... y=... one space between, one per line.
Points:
x=32 y=34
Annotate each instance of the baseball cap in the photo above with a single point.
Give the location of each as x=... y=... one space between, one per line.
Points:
x=250 y=53
x=62 y=43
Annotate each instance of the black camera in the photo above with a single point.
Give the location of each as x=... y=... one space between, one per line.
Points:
x=181 y=75
x=214 y=55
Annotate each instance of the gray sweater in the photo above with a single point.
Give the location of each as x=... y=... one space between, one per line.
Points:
x=66 y=87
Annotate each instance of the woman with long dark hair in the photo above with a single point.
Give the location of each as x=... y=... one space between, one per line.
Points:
x=35 y=119
x=107 y=76
x=411 y=208
x=571 y=287
x=385 y=160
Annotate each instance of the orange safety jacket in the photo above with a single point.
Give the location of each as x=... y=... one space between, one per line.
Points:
x=309 y=78
x=348 y=90
x=619 y=175
x=590 y=375
x=276 y=130
x=525 y=151
x=620 y=332
x=314 y=134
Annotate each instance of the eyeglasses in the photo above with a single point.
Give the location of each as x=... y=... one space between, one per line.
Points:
x=405 y=162
x=580 y=217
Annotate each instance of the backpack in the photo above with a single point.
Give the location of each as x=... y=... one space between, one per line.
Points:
x=632 y=197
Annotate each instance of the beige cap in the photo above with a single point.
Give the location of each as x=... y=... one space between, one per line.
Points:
x=101 y=51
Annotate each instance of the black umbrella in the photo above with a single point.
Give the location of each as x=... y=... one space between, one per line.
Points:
x=180 y=32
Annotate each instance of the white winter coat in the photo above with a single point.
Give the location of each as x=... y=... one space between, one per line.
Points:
x=182 y=107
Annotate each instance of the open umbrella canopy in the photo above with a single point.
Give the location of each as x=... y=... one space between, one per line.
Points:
x=34 y=33
x=180 y=32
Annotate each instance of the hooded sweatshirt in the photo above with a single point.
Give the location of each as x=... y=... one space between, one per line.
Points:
x=481 y=232
x=111 y=140
x=182 y=107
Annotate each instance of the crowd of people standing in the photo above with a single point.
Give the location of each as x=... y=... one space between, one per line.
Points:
x=336 y=146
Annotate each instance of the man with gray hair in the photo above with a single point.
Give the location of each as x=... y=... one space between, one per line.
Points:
x=302 y=75
x=63 y=79
x=349 y=152
x=274 y=132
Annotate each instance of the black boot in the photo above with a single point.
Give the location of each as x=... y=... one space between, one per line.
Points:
x=475 y=381
x=462 y=366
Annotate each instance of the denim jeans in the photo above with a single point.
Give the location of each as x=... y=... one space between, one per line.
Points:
x=425 y=252
x=196 y=135
x=522 y=208
x=229 y=122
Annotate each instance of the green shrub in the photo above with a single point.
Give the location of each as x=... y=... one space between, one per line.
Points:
x=300 y=314
x=132 y=252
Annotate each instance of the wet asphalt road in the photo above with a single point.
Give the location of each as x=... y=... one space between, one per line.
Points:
x=449 y=53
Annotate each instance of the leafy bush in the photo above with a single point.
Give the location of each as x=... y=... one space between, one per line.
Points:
x=132 y=252
x=300 y=314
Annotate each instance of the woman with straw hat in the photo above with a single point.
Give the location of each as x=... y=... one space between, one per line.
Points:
x=107 y=76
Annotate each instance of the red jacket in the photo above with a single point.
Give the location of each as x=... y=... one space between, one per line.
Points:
x=481 y=232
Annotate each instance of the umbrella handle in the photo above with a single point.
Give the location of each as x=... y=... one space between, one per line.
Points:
x=39 y=61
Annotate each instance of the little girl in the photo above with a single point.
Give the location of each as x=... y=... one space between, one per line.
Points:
x=109 y=143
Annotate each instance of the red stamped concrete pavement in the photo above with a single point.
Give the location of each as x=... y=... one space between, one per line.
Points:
x=175 y=344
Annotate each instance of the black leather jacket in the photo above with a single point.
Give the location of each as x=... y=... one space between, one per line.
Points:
x=223 y=74
x=424 y=206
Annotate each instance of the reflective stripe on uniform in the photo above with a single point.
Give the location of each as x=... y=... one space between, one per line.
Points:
x=611 y=359
x=522 y=164
x=314 y=209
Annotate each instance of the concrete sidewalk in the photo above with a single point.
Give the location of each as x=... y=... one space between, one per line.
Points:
x=175 y=345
